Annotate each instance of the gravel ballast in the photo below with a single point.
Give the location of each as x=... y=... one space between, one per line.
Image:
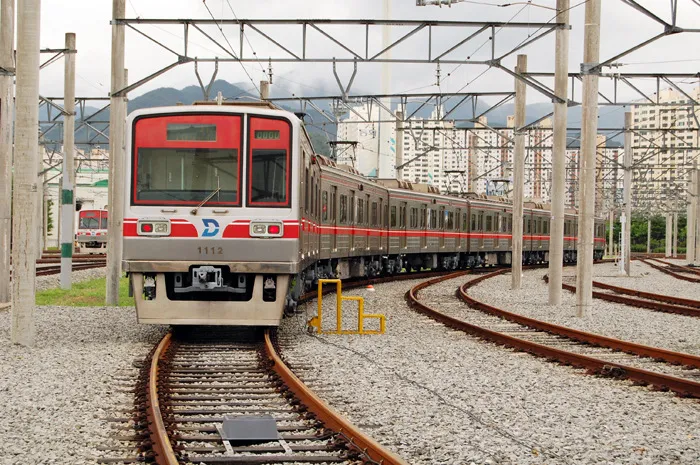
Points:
x=52 y=281
x=56 y=395
x=669 y=331
x=438 y=396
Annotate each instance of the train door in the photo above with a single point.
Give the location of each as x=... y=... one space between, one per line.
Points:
x=423 y=226
x=334 y=219
x=480 y=228
x=352 y=219
x=383 y=236
x=457 y=228
x=367 y=222
x=441 y=219
x=402 y=224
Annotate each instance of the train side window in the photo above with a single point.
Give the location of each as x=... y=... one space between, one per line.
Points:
x=489 y=223
x=433 y=219
x=457 y=217
x=464 y=221
x=480 y=225
x=360 y=211
x=442 y=218
x=423 y=216
x=324 y=197
x=545 y=226
x=393 y=216
x=450 y=221
x=510 y=222
x=473 y=225
x=386 y=215
x=374 y=214
x=343 y=209
x=402 y=216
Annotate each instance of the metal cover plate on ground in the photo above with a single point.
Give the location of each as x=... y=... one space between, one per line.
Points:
x=250 y=428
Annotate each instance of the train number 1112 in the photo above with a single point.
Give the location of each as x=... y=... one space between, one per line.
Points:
x=210 y=250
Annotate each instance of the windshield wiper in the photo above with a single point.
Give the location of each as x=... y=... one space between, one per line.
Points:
x=194 y=210
x=218 y=188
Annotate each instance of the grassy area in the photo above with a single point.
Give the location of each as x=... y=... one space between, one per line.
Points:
x=85 y=294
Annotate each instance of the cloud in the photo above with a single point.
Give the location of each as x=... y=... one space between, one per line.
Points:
x=622 y=28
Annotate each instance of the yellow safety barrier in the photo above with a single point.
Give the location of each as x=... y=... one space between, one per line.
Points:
x=316 y=322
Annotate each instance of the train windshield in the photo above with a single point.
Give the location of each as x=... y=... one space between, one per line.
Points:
x=165 y=175
x=269 y=176
x=89 y=223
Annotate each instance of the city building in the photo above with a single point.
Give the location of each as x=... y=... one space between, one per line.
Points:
x=664 y=143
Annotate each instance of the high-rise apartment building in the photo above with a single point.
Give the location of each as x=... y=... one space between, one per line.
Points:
x=664 y=143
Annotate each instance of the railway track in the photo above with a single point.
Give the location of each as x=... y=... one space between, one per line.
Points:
x=56 y=269
x=193 y=381
x=660 y=368
x=641 y=299
x=684 y=273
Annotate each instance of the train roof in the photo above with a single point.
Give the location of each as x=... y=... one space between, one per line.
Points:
x=260 y=108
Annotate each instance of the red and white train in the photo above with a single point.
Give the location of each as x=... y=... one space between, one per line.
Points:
x=230 y=216
x=91 y=234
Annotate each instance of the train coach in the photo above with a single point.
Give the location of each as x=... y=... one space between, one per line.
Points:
x=230 y=216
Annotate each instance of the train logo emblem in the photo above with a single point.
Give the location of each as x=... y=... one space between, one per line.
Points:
x=212 y=227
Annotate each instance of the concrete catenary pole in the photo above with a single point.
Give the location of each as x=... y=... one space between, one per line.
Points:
x=399 y=143
x=589 y=129
x=264 y=90
x=7 y=62
x=24 y=227
x=556 y=231
x=690 y=226
x=116 y=158
x=649 y=235
x=674 y=246
x=67 y=190
x=669 y=233
x=697 y=217
x=627 y=194
x=611 y=232
x=518 y=174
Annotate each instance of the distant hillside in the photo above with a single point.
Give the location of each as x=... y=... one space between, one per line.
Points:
x=318 y=126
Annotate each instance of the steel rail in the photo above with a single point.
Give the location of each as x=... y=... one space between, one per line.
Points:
x=596 y=366
x=656 y=304
x=156 y=427
x=681 y=268
x=671 y=273
x=326 y=414
x=669 y=299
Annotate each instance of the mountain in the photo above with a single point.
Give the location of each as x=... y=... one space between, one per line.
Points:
x=318 y=126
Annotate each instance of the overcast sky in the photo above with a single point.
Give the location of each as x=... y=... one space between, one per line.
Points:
x=622 y=27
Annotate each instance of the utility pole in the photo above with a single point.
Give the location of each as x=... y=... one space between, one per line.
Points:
x=24 y=227
x=589 y=129
x=627 y=193
x=690 y=225
x=7 y=62
x=473 y=160
x=67 y=193
x=649 y=235
x=556 y=230
x=518 y=175
x=117 y=116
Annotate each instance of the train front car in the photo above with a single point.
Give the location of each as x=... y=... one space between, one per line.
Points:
x=211 y=224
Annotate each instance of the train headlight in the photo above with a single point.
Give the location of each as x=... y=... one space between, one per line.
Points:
x=263 y=228
x=153 y=227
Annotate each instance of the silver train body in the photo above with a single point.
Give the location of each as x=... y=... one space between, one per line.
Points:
x=230 y=217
